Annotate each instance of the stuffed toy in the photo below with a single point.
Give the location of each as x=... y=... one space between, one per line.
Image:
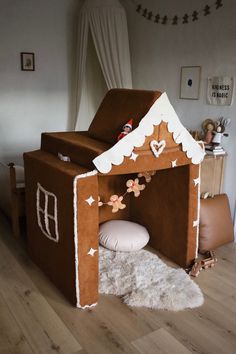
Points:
x=208 y=126
x=116 y=203
x=220 y=131
x=134 y=186
x=127 y=128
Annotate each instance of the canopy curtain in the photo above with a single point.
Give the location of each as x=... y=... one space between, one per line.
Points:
x=235 y=223
x=106 y=19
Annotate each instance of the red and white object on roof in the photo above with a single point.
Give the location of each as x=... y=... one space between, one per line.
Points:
x=161 y=110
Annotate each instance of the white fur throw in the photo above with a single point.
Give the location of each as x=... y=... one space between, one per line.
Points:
x=142 y=279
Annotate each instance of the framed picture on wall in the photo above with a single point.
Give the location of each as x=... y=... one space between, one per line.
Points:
x=190 y=82
x=27 y=61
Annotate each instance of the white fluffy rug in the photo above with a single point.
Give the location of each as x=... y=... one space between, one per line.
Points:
x=142 y=279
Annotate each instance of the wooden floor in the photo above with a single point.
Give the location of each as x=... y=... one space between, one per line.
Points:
x=35 y=317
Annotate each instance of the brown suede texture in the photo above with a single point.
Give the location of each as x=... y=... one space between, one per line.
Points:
x=108 y=186
x=87 y=218
x=167 y=207
x=163 y=208
x=57 y=260
x=216 y=226
x=78 y=146
x=116 y=109
x=146 y=161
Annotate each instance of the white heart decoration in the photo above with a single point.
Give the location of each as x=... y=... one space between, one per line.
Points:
x=157 y=147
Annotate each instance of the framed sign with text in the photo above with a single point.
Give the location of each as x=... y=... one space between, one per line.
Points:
x=220 y=90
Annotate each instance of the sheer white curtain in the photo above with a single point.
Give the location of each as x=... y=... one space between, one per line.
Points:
x=110 y=35
x=81 y=55
x=93 y=89
x=235 y=223
x=107 y=22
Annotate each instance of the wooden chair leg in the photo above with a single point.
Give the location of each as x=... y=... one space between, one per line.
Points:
x=17 y=202
x=15 y=222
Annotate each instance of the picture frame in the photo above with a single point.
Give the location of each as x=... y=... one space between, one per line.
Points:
x=27 y=61
x=190 y=82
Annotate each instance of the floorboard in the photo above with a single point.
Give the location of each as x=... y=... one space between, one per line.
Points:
x=36 y=318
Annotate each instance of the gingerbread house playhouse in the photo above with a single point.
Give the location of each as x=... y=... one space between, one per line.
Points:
x=70 y=181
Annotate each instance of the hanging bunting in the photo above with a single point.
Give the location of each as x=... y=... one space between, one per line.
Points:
x=175 y=20
x=194 y=16
x=207 y=10
x=218 y=4
x=157 y=18
x=117 y=202
x=139 y=8
x=164 y=20
x=145 y=12
x=185 y=18
x=149 y=17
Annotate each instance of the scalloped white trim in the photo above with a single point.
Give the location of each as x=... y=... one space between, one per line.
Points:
x=161 y=110
x=87 y=306
x=84 y=175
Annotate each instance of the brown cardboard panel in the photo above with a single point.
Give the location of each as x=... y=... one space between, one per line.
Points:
x=168 y=206
x=116 y=109
x=56 y=259
x=78 y=146
x=87 y=219
x=163 y=208
x=146 y=161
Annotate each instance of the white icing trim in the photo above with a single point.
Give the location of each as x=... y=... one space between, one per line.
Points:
x=174 y=163
x=91 y=252
x=87 y=306
x=196 y=181
x=45 y=213
x=133 y=156
x=84 y=175
x=161 y=110
x=198 y=210
x=90 y=200
x=157 y=147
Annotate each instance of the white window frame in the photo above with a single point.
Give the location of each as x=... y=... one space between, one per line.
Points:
x=44 y=211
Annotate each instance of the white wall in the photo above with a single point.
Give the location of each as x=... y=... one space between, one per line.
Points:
x=32 y=102
x=158 y=52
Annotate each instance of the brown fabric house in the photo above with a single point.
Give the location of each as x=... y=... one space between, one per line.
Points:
x=72 y=170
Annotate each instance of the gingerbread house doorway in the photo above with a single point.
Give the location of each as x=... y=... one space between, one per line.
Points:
x=63 y=218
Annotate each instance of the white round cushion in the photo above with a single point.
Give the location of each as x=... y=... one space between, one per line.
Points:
x=121 y=235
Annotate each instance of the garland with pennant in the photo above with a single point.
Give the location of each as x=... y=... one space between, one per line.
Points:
x=176 y=20
x=116 y=202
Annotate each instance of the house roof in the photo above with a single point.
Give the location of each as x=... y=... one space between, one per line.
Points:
x=161 y=110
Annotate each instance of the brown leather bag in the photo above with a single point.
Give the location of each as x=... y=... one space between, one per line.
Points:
x=216 y=226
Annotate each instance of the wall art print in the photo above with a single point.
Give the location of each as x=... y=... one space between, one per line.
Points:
x=190 y=82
